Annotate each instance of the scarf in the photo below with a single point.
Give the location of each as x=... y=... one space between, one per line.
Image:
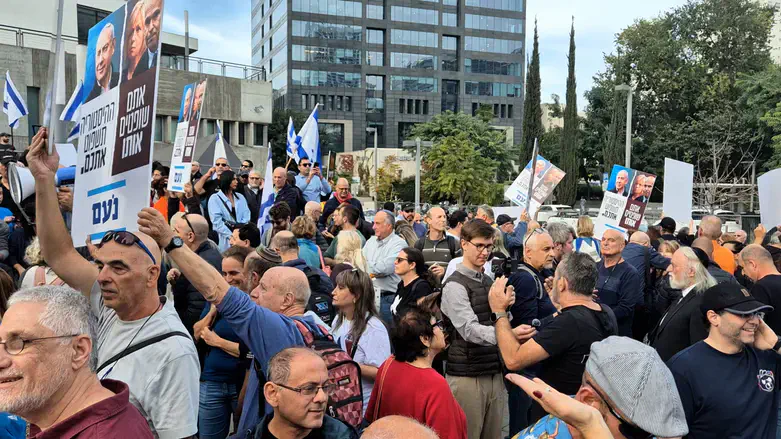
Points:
x=343 y=200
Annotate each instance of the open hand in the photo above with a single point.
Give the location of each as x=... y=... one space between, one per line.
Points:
x=42 y=165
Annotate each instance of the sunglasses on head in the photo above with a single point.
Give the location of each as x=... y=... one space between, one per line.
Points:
x=127 y=239
x=533 y=232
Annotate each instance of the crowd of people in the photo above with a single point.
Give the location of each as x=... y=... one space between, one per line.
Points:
x=329 y=325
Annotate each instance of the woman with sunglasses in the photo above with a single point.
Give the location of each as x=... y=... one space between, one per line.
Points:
x=407 y=385
x=416 y=280
x=357 y=328
x=227 y=209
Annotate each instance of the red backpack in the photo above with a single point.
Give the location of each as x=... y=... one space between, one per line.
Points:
x=346 y=401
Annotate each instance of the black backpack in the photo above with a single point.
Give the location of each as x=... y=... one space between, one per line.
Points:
x=320 y=300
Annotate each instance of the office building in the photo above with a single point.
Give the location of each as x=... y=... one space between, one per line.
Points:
x=389 y=65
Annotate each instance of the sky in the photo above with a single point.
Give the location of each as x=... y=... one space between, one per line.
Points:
x=223 y=31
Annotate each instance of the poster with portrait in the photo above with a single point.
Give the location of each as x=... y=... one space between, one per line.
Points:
x=117 y=120
x=624 y=202
x=186 y=135
x=546 y=177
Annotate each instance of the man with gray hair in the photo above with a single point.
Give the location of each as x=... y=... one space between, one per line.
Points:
x=253 y=192
x=632 y=389
x=566 y=340
x=485 y=213
x=106 y=77
x=563 y=236
x=682 y=324
x=380 y=252
x=710 y=227
x=49 y=356
x=313 y=210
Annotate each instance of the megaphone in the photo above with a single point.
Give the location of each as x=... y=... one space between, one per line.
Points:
x=21 y=181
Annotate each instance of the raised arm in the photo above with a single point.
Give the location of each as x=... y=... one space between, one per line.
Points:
x=56 y=245
x=202 y=181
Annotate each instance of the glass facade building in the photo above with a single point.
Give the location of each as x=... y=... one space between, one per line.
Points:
x=390 y=64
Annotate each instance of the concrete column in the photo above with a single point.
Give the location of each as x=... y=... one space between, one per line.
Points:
x=202 y=128
x=234 y=127
x=265 y=135
x=250 y=134
x=167 y=136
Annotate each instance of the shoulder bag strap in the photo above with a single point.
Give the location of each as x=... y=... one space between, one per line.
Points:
x=232 y=210
x=40 y=276
x=381 y=383
x=139 y=346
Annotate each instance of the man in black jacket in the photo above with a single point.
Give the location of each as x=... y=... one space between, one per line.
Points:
x=253 y=191
x=189 y=303
x=682 y=324
x=341 y=195
x=287 y=193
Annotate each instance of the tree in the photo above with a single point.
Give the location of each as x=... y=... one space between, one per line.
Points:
x=445 y=177
x=389 y=175
x=532 y=107
x=568 y=187
x=277 y=133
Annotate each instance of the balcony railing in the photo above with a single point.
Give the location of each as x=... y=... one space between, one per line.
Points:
x=214 y=67
x=30 y=38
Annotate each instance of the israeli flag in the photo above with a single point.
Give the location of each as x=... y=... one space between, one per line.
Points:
x=268 y=196
x=13 y=104
x=72 y=110
x=219 y=145
x=293 y=149
x=309 y=138
x=74 y=134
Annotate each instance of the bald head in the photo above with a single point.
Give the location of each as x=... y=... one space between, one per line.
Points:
x=281 y=281
x=313 y=210
x=755 y=252
x=704 y=244
x=200 y=227
x=710 y=227
x=398 y=427
x=280 y=178
x=151 y=245
x=641 y=238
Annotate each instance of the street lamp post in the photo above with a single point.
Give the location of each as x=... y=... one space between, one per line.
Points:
x=376 y=168
x=628 y=153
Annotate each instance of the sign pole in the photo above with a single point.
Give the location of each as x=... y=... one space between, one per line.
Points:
x=531 y=179
x=417 y=174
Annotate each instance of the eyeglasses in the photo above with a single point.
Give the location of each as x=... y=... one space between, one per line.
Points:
x=400 y=260
x=532 y=233
x=127 y=239
x=482 y=247
x=222 y=165
x=304 y=165
x=311 y=389
x=15 y=346
x=628 y=430
x=759 y=314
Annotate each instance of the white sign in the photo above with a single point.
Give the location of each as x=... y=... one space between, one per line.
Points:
x=186 y=135
x=769 y=207
x=546 y=177
x=67 y=153
x=678 y=187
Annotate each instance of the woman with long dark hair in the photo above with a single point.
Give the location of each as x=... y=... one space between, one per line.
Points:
x=358 y=328
x=416 y=280
x=227 y=209
x=407 y=384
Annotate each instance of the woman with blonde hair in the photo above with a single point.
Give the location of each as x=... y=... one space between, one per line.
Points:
x=585 y=243
x=304 y=229
x=348 y=254
x=39 y=273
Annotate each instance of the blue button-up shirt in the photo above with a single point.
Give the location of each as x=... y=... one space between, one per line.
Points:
x=380 y=256
x=315 y=187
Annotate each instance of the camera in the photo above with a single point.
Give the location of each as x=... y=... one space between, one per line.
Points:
x=504 y=266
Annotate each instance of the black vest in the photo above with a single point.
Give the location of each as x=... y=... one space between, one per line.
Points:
x=470 y=359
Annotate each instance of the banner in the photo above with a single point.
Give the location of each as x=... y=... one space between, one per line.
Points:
x=546 y=177
x=186 y=135
x=117 y=120
x=623 y=205
x=678 y=190
x=769 y=207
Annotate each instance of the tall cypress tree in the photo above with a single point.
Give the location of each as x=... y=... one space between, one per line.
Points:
x=532 y=109
x=568 y=188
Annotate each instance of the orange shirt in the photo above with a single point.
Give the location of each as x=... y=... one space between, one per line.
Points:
x=724 y=258
x=161 y=206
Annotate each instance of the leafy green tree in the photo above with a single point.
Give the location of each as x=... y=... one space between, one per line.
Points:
x=532 y=106
x=567 y=189
x=455 y=170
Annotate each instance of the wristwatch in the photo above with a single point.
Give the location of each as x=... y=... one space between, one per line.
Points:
x=176 y=242
x=778 y=345
x=495 y=316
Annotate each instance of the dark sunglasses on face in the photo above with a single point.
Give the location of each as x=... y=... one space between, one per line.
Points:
x=225 y=165
x=127 y=239
x=400 y=260
x=305 y=165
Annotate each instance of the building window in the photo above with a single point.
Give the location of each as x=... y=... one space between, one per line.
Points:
x=327 y=31
x=331 y=138
x=410 y=106
x=473 y=65
x=504 y=5
x=494 y=45
x=479 y=88
x=510 y=111
x=503 y=111
x=449 y=42
x=380 y=127
x=339 y=100
x=375 y=36
x=501 y=24
x=312 y=101
x=401 y=106
x=414 y=15
x=450 y=2
x=330 y=103
x=449 y=19
x=333 y=7
x=374 y=58
x=159 y=121
x=376 y=12
x=413 y=83
x=326 y=79
x=405 y=130
x=242 y=133
x=414 y=38
x=304 y=99
x=329 y=55
x=348 y=103
x=86 y=18
x=413 y=61
x=425 y=106
x=450 y=62
x=475 y=107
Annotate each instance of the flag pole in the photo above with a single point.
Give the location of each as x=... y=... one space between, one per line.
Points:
x=289 y=159
x=531 y=180
x=53 y=119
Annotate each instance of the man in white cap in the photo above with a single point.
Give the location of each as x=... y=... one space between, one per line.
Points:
x=630 y=386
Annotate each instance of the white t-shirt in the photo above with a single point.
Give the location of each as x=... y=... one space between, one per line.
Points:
x=373 y=348
x=163 y=377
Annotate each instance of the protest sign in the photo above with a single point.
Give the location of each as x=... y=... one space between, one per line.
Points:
x=678 y=189
x=623 y=205
x=117 y=121
x=186 y=134
x=769 y=207
x=546 y=177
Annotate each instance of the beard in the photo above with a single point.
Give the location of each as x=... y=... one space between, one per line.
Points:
x=678 y=284
x=35 y=398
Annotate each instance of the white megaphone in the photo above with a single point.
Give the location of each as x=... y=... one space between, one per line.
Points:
x=22 y=182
